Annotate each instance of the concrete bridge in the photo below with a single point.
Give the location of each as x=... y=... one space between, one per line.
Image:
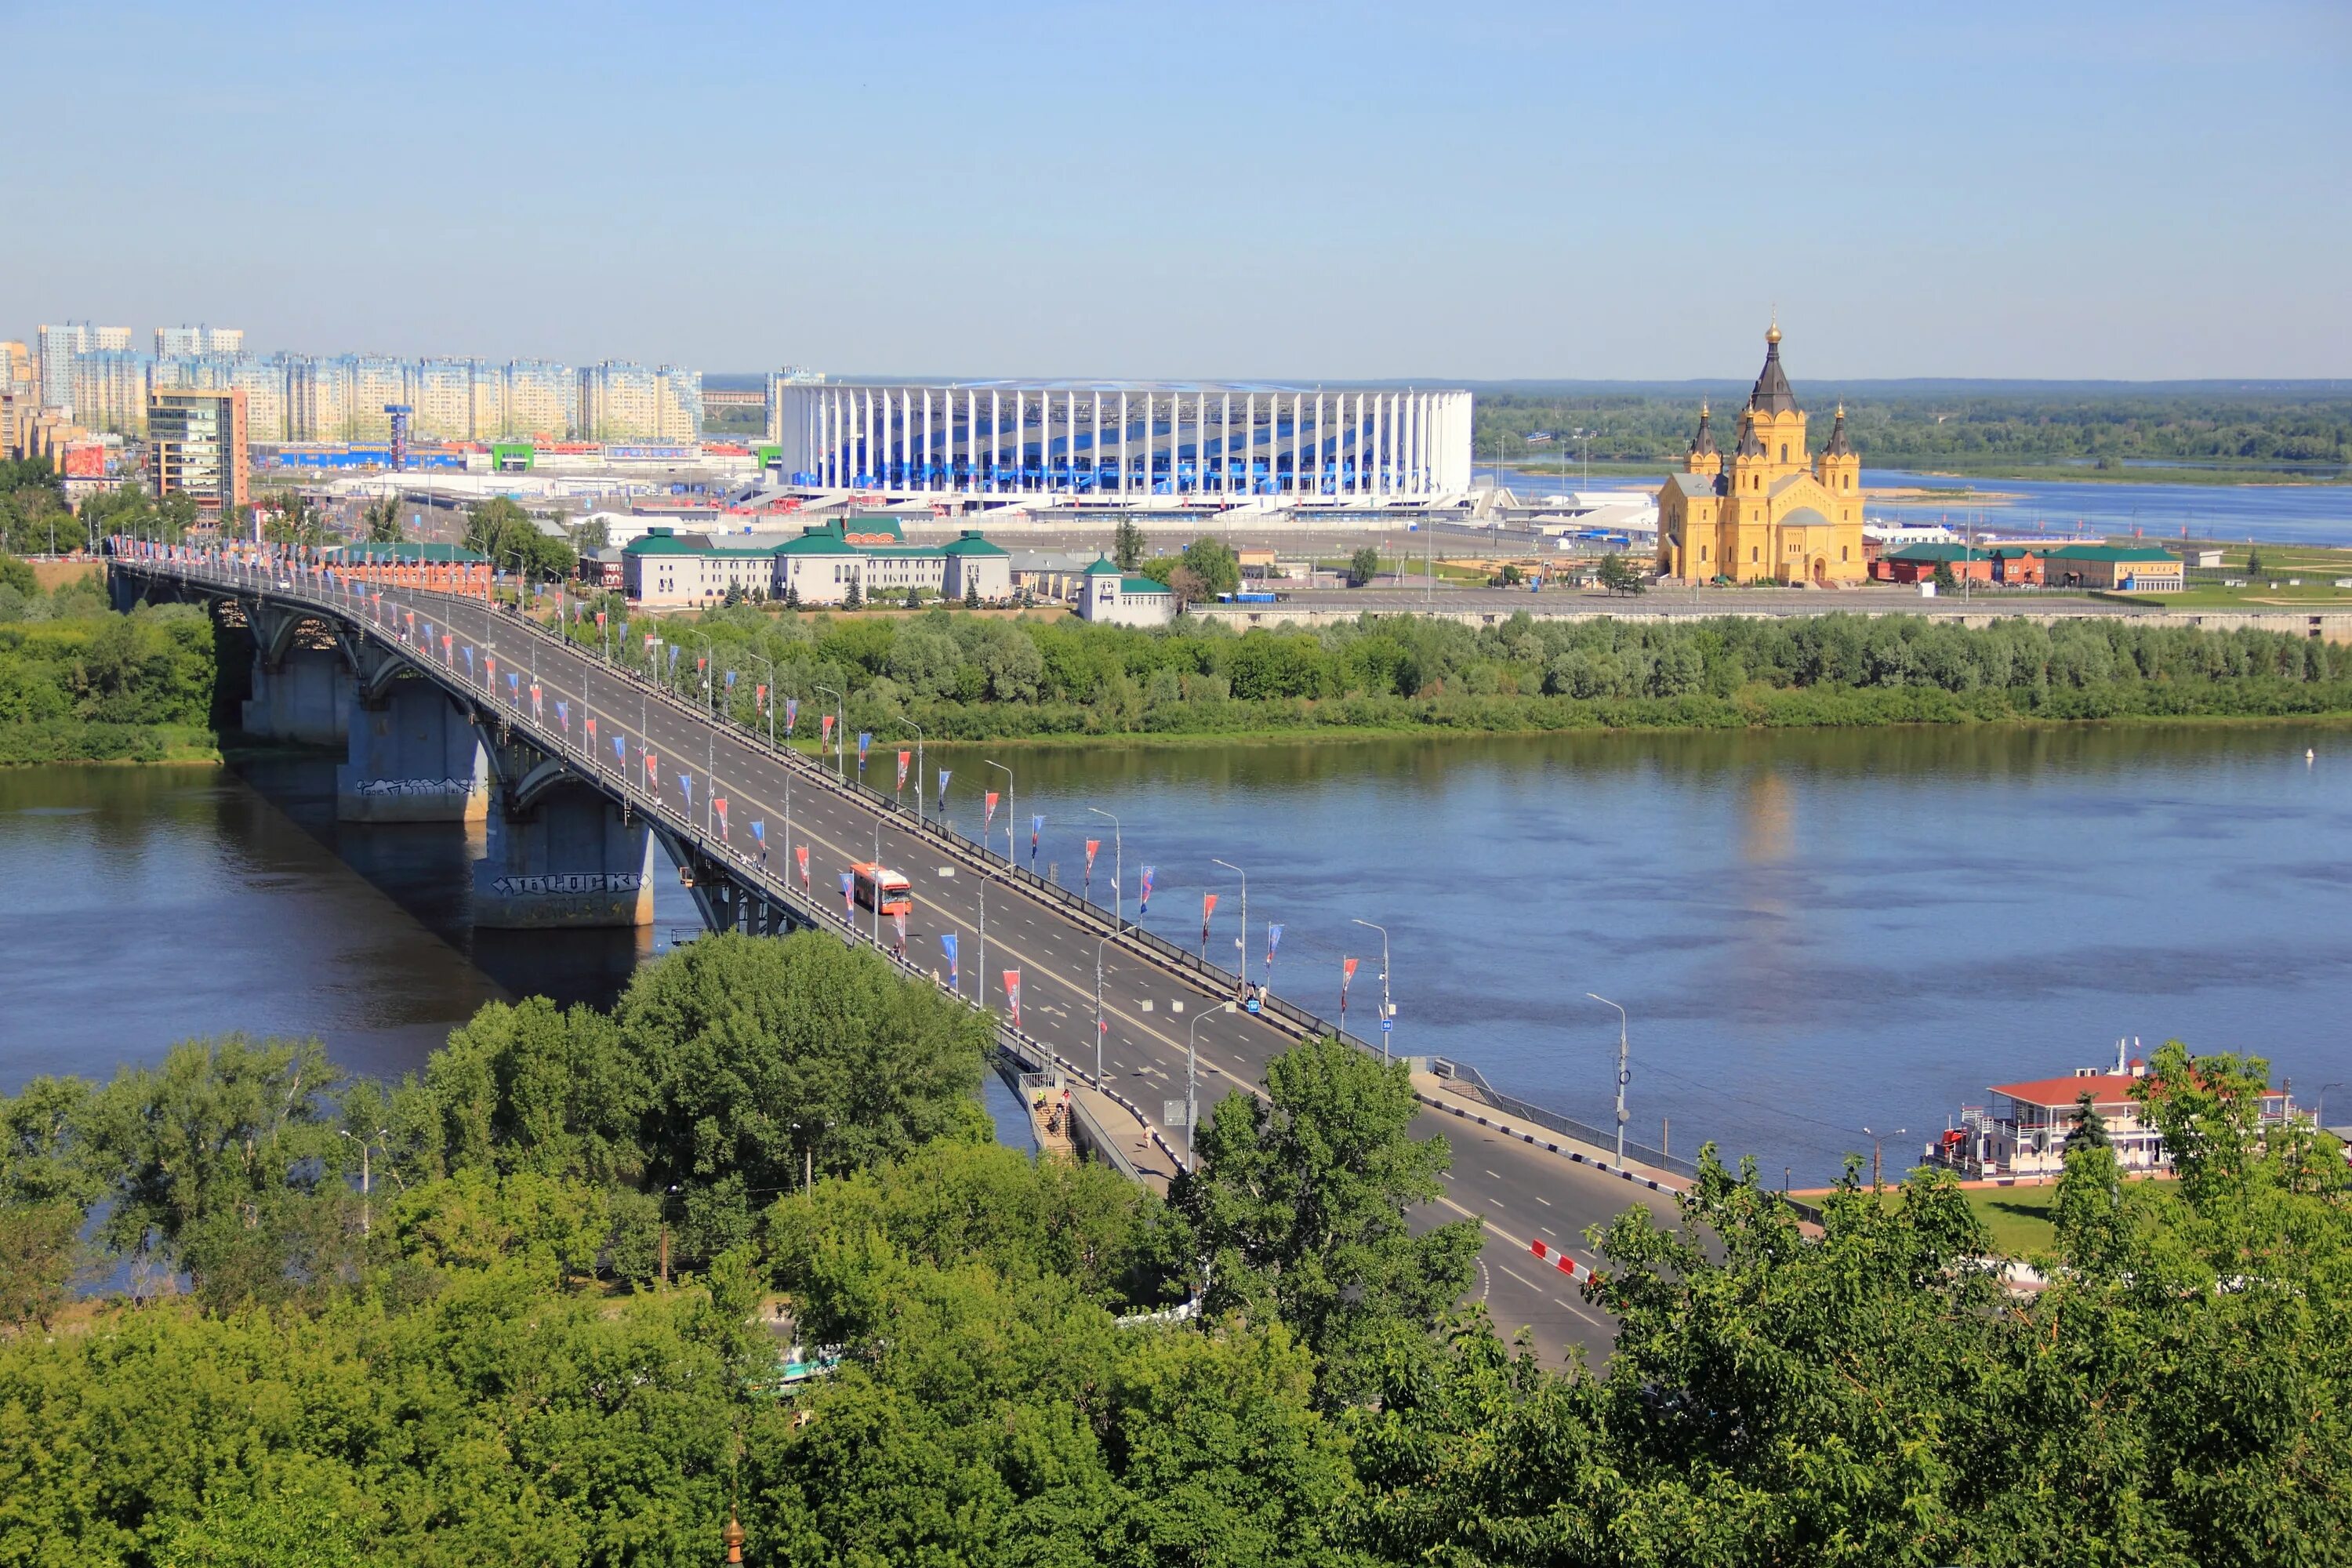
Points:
x=450 y=710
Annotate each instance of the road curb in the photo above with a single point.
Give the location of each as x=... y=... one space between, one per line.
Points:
x=1504 y=1128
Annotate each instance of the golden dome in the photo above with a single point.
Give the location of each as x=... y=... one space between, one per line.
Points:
x=1772 y=333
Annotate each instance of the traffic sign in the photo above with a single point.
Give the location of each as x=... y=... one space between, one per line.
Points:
x=1172 y=1113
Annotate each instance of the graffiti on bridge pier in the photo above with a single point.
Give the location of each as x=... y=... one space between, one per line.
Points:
x=580 y=882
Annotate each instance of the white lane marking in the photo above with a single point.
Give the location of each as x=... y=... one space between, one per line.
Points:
x=1496 y=1174
x=1548 y=1231
x=1519 y=1277
x=1541 y=1199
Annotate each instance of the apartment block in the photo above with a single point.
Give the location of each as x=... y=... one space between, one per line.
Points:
x=171 y=341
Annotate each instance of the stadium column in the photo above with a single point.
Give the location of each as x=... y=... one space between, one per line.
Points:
x=1249 y=444
x=995 y=435
x=1226 y=449
x=1122 y=443
x=1094 y=452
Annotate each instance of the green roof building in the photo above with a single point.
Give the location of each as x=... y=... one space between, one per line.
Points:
x=821 y=566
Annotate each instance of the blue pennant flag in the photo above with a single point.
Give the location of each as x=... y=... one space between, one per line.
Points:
x=673 y=658
x=730 y=680
x=948 y=947
x=1036 y=825
x=944 y=789
x=686 y=787
x=620 y=748
x=470 y=660
x=1273 y=941
x=563 y=715
x=760 y=832
x=514 y=682
x=1143 y=905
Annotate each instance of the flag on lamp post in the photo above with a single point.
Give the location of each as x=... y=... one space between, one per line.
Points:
x=904 y=758
x=849 y=897
x=538 y=711
x=653 y=765
x=563 y=714
x=899 y=919
x=1208 y=908
x=760 y=698
x=947 y=950
x=470 y=661
x=865 y=742
x=1143 y=905
x=620 y=748
x=1036 y=825
x=490 y=669
x=514 y=686
x=944 y=789
x=1013 y=996
x=824 y=732
x=987 y=812
x=1092 y=845
x=718 y=809
x=1273 y=941
x=760 y=832
x=800 y=852
x=590 y=724
x=1347 y=973
x=792 y=713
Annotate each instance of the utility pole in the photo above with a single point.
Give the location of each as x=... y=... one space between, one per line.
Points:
x=1388 y=1011
x=1240 y=942
x=1624 y=1075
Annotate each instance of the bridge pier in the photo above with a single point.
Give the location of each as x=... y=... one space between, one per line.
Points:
x=414 y=756
x=304 y=695
x=565 y=857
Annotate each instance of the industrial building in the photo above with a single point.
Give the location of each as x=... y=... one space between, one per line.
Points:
x=1126 y=441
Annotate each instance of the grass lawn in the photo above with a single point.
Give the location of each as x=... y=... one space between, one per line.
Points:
x=2019 y=1218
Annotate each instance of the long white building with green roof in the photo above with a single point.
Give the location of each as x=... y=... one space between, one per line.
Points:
x=667 y=568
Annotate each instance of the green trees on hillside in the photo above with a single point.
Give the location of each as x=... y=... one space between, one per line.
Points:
x=77 y=680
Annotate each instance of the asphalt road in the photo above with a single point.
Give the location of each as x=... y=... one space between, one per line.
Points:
x=1520 y=1195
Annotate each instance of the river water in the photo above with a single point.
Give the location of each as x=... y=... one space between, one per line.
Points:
x=2286 y=513
x=1812 y=933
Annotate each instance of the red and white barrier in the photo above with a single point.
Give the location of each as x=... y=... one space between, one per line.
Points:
x=1560 y=1260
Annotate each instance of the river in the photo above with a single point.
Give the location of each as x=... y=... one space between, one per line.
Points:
x=2284 y=513
x=1812 y=933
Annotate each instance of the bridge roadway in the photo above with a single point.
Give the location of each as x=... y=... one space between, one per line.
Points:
x=1520 y=1195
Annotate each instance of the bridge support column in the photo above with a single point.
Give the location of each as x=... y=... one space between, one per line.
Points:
x=413 y=757
x=305 y=696
x=568 y=860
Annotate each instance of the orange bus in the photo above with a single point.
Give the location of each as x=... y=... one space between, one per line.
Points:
x=897 y=897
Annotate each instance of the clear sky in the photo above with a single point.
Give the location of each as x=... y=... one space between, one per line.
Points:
x=1435 y=189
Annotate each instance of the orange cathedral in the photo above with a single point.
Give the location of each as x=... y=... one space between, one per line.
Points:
x=1779 y=514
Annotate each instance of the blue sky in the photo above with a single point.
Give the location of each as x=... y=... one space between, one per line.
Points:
x=1315 y=191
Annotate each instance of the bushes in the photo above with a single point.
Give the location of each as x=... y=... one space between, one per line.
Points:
x=100 y=686
x=962 y=677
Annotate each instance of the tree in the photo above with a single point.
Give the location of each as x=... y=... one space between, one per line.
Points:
x=2254 y=562
x=1127 y=544
x=1187 y=585
x=296 y=521
x=1363 y=566
x=218 y=1141
x=760 y=1054
x=2091 y=1130
x=1619 y=575
x=382 y=519
x=855 y=598
x=1297 y=1208
x=506 y=535
x=972 y=593
x=1945 y=580
x=1214 y=563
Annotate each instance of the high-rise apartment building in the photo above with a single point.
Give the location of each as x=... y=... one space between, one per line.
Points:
x=378 y=381
x=16 y=368
x=542 y=399
x=441 y=392
x=317 y=398
x=618 y=402
x=198 y=340
x=57 y=346
x=678 y=403
x=264 y=383
x=107 y=389
x=196 y=447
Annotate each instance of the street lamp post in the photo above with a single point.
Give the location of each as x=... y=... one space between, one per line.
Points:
x=1191 y=1100
x=1387 y=1012
x=1242 y=941
x=1117 y=870
x=1877 y=1145
x=1099 y=1030
x=1009 y=811
x=1623 y=1074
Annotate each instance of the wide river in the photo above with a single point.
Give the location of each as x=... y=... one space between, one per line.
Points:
x=1812 y=933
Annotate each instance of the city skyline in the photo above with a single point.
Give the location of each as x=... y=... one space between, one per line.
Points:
x=1382 y=195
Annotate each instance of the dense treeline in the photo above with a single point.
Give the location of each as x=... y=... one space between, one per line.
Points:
x=79 y=682
x=1956 y=430
x=36 y=521
x=967 y=677
x=476 y=1358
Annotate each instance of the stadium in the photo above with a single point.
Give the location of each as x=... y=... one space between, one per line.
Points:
x=1125 y=441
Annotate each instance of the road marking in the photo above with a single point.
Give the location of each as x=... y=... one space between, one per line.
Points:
x=1541 y=1199
x=1550 y=1232
x=1520 y=1277
x=1496 y=1174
